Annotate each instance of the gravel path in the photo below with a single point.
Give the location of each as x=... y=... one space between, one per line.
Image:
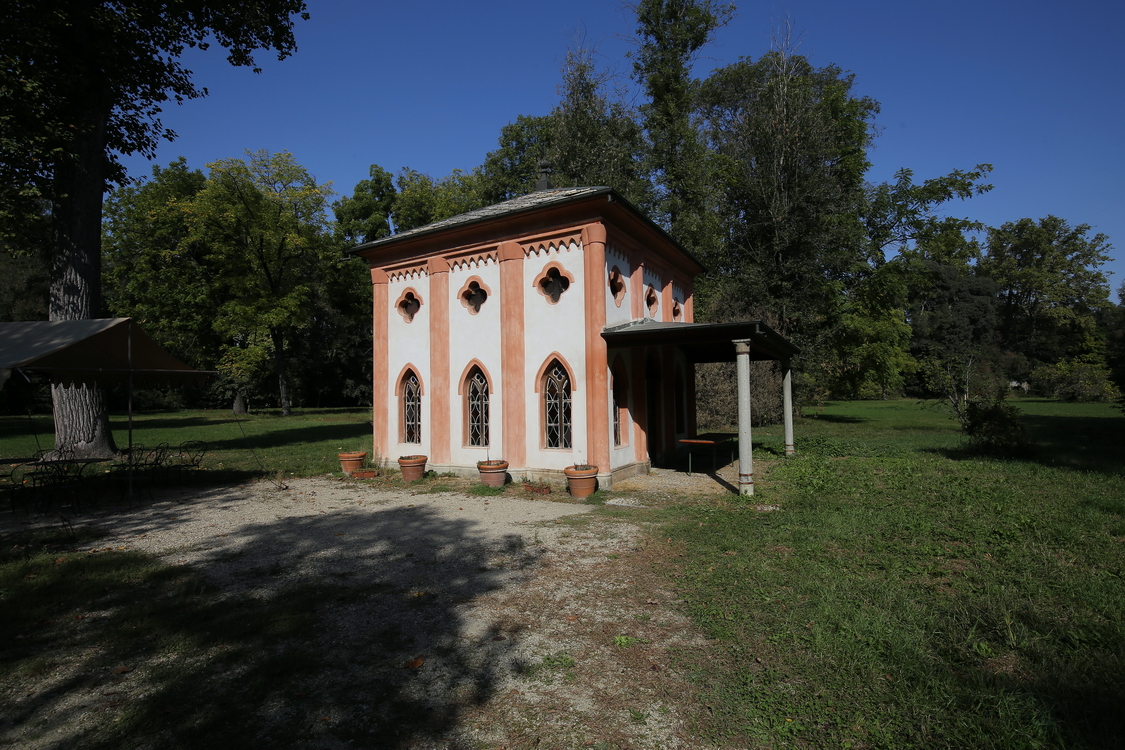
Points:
x=509 y=612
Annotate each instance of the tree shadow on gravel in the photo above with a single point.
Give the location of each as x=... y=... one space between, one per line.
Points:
x=348 y=629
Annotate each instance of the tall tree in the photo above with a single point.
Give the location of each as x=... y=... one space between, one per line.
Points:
x=154 y=271
x=792 y=144
x=902 y=216
x=591 y=137
x=365 y=215
x=1052 y=292
x=595 y=138
x=511 y=169
x=82 y=82
x=264 y=223
x=423 y=200
x=670 y=34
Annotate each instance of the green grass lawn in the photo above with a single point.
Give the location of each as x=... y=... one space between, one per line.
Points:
x=261 y=444
x=907 y=594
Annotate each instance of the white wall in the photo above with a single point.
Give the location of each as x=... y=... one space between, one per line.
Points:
x=475 y=337
x=617 y=315
x=555 y=328
x=408 y=343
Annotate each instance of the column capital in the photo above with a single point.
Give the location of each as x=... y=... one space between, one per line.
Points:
x=741 y=346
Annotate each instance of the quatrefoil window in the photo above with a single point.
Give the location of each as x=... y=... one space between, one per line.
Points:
x=553 y=283
x=408 y=305
x=473 y=295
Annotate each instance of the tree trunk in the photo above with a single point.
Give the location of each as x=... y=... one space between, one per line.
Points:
x=81 y=413
x=82 y=421
x=239 y=406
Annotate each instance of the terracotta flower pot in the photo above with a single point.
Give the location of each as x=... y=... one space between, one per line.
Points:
x=413 y=467
x=582 y=481
x=365 y=474
x=352 y=461
x=493 y=473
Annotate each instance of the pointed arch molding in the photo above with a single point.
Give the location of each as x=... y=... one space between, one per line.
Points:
x=402 y=301
x=465 y=376
x=547 y=363
x=537 y=285
x=409 y=367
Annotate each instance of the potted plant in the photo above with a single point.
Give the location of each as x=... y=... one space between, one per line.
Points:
x=493 y=472
x=413 y=467
x=352 y=461
x=581 y=480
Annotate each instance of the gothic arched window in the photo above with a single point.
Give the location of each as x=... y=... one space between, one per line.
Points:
x=556 y=406
x=411 y=407
x=476 y=408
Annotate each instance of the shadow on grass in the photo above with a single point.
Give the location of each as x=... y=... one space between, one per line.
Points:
x=1065 y=442
x=296 y=436
x=120 y=425
x=836 y=418
x=346 y=629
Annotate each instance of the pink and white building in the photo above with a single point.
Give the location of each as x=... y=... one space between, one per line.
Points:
x=553 y=329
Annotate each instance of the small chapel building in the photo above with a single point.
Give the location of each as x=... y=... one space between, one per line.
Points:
x=553 y=329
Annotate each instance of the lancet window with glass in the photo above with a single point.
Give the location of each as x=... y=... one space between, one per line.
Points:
x=477 y=408
x=556 y=407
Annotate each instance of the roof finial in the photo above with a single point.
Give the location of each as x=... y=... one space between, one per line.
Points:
x=543 y=179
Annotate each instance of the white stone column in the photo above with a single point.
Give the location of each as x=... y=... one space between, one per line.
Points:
x=787 y=397
x=745 y=451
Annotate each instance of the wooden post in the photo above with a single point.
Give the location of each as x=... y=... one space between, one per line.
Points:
x=745 y=450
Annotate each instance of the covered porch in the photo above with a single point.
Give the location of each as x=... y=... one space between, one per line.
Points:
x=739 y=342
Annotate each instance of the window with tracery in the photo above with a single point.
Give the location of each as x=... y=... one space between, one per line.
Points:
x=553 y=284
x=411 y=409
x=476 y=408
x=556 y=407
x=408 y=306
x=474 y=296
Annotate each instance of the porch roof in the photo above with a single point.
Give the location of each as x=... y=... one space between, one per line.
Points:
x=703 y=342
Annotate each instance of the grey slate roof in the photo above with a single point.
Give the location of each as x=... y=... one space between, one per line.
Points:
x=528 y=202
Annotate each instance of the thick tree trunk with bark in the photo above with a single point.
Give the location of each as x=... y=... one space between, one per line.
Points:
x=81 y=413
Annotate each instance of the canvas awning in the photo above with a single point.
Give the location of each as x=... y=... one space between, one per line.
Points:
x=103 y=352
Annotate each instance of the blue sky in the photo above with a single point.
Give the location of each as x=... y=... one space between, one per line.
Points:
x=1034 y=88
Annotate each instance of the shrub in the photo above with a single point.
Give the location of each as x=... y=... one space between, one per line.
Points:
x=1075 y=380
x=993 y=426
